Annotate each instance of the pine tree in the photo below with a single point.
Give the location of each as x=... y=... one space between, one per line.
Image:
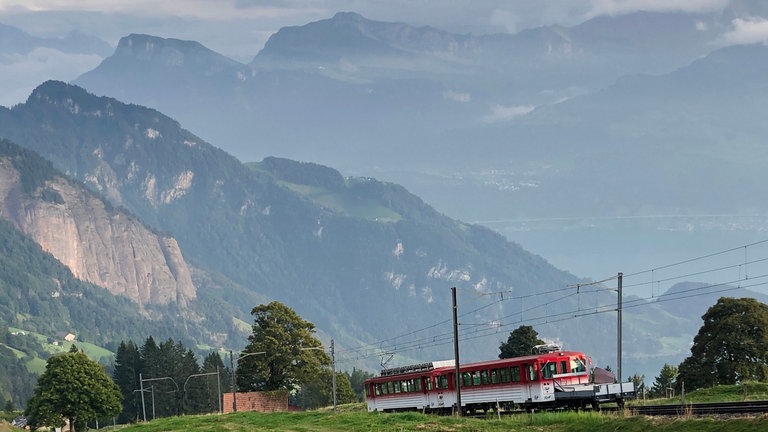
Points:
x=665 y=382
x=128 y=364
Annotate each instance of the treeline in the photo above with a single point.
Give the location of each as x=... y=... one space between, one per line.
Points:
x=172 y=380
x=16 y=382
x=175 y=384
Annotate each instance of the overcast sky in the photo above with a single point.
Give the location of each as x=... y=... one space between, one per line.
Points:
x=239 y=28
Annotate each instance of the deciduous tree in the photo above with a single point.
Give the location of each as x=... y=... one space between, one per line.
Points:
x=520 y=342
x=291 y=353
x=731 y=346
x=75 y=388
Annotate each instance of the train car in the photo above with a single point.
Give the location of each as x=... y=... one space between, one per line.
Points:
x=551 y=378
x=409 y=388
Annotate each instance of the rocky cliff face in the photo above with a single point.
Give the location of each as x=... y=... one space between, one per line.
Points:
x=98 y=244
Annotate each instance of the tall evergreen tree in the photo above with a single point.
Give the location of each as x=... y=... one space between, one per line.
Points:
x=214 y=384
x=665 y=381
x=128 y=364
x=318 y=392
x=357 y=380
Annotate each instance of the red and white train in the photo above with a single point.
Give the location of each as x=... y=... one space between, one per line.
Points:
x=550 y=379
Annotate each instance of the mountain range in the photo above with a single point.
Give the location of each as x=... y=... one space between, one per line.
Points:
x=362 y=259
x=520 y=125
x=136 y=201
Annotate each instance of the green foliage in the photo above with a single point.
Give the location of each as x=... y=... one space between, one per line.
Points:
x=73 y=387
x=290 y=355
x=665 y=381
x=33 y=169
x=730 y=347
x=318 y=392
x=357 y=381
x=316 y=421
x=305 y=173
x=16 y=381
x=172 y=380
x=128 y=364
x=358 y=248
x=520 y=342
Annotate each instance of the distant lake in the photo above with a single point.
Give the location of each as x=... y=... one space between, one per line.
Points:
x=597 y=248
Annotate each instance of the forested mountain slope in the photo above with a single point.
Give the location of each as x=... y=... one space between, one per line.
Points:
x=356 y=256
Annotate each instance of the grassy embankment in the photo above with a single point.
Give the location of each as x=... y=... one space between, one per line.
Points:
x=355 y=418
x=317 y=421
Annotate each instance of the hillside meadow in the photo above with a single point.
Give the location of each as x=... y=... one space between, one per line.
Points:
x=354 y=417
x=317 y=421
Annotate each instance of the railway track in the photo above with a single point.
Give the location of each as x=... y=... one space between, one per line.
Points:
x=676 y=410
x=701 y=409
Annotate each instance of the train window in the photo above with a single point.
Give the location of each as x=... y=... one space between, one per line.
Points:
x=484 y=377
x=495 y=376
x=390 y=388
x=442 y=381
x=515 y=373
x=476 y=378
x=417 y=385
x=563 y=366
x=532 y=375
x=377 y=389
x=367 y=391
x=397 y=386
x=408 y=384
x=577 y=365
x=505 y=376
x=428 y=382
x=467 y=379
x=548 y=369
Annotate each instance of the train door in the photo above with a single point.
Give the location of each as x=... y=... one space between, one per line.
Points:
x=539 y=390
x=441 y=396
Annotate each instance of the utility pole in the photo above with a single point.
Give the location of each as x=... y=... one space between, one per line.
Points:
x=141 y=387
x=456 y=351
x=618 y=336
x=232 y=381
x=333 y=378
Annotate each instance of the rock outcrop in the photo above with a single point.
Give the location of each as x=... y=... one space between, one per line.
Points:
x=99 y=244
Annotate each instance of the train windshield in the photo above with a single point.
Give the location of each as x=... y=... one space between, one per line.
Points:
x=577 y=365
x=549 y=369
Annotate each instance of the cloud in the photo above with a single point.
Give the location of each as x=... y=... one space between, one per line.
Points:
x=501 y=113
x=457 y=96
x=622 y=7
x=747 y=31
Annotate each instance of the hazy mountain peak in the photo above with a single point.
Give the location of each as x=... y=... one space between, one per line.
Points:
x=351 y=34
x=170 y=52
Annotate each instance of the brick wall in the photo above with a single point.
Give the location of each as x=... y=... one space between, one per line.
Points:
x=256 y=401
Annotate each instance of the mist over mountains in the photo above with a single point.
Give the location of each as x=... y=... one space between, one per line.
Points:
x=637 y=115
x=523 y=125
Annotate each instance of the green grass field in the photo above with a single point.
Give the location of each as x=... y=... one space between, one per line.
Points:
x=317 y=421
x=354 y=417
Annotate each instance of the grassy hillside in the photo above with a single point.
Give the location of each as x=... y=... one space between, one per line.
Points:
x=363 y=421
